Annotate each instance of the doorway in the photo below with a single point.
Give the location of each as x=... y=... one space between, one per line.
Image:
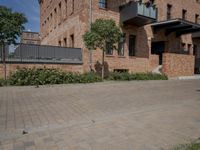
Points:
x=158 y=48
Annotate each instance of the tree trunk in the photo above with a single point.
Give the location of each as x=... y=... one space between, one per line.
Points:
x=102 y=69
x=4 y=60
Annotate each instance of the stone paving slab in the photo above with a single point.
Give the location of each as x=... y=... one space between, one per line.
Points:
x=150 y=115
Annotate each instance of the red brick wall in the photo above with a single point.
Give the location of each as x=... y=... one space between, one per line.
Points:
x=11 y=68
x=175 y=65
x=67 y=23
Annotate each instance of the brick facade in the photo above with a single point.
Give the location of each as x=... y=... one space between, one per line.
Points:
x=63 y=22
x=175 y=65
x=28 y=37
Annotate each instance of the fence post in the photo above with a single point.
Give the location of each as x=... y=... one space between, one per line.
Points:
x=20 y=50
x=4 y=60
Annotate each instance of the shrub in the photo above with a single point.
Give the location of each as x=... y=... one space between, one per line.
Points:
x=3 y=82
x=125 y=76
x=42 y=76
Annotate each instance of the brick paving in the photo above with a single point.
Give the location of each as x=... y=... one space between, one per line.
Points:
x=150 y=115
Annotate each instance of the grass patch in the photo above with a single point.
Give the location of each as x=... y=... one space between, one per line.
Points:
x=192 y=146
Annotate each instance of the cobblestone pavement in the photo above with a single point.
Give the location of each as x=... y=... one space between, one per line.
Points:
x=149 y=115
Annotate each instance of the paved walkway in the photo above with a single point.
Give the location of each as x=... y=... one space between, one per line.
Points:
x=150 y=115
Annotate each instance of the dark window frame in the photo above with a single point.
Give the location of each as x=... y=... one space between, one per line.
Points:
x=169 y=11
x=72 y=40
x=132 y=45
x=109 y=49
x=197 y=18
x=103 y=4
x=121 y=45
x=184 y=14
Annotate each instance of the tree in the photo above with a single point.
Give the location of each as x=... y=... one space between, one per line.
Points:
x=11 y=26
x=103 y=32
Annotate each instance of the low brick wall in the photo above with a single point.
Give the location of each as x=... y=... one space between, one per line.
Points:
x=175 y=65
x=12 y=67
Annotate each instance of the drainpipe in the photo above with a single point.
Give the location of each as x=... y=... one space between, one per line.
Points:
x=90 y=23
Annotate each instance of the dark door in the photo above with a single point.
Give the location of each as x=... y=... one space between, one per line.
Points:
x=158 y=49
x=132 y=41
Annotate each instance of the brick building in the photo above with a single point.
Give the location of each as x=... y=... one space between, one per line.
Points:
x=28 y=37
x=157 y=34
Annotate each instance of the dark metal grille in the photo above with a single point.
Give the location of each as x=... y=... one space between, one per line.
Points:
x=28 y=53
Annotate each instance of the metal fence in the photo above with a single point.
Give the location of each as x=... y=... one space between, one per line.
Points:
x=27 y=53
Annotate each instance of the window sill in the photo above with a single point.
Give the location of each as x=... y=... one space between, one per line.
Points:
x=132 y=57
x=121 y=56
x=109 y=55
x=101 y=8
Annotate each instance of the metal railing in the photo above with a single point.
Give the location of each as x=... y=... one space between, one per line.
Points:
x=147 y=11
x=27 y=53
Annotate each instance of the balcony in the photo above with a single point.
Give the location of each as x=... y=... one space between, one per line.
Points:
x=138 y=14
x=196 y=35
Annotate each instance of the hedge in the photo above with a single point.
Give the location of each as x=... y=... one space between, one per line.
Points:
x=43 y=76
x=125 y=76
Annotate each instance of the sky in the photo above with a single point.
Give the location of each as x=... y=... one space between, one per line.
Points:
x=31 y=10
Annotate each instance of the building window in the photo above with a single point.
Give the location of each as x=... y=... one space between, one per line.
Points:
x=121 y=45
x=184 y=49
x=184 y=14
x=169 y=9
x=65 y=42
x=102 y=4
x=72 y=6
x=59 y=43
x=197 y=18
x=59 y=5
x=109 y=49
x=195 y=50
x=132 y=42
x=66 y=7
x=55 y=11
x=72 y=40
x=189 y=48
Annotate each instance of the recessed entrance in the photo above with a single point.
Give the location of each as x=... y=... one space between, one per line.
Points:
x=158 y=48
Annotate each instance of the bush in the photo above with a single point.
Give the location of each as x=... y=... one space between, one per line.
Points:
x=125 y=76
x=3 y=82
x=42 y=76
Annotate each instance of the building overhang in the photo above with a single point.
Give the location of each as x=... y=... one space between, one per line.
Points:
x=196 y=35
x=178 y=26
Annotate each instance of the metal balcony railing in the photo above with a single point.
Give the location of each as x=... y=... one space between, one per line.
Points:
x=138 y=13
x=147 y=11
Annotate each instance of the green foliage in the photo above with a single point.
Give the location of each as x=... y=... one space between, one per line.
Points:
x=102 y=31
x=191 y=146
x=11 y=25
x=125 y=76
x=3 y=82
x=43 y=76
